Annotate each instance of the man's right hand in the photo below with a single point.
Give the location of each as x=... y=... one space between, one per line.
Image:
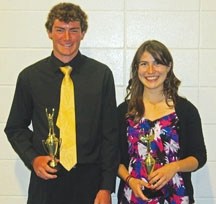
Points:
x=42 y=169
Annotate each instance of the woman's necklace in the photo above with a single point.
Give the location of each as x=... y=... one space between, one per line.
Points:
x=157 y=109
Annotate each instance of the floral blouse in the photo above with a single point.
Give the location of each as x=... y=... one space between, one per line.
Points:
x=164 y=147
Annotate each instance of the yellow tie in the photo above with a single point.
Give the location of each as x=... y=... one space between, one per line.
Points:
x=66 y=121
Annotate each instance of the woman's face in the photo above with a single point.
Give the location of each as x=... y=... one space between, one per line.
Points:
x=151 y=74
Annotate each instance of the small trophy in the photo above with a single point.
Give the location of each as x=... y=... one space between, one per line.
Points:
x=149 y=161
x=52 y=143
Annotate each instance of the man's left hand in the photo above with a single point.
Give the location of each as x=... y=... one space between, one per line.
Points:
x=103 y=197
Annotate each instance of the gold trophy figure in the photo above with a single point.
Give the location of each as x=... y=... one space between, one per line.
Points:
x=149 y=161
x=52 y=143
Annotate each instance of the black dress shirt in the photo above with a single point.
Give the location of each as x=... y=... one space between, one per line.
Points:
x=38 y=87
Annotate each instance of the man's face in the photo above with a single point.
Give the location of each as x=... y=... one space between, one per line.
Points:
x=66 y=39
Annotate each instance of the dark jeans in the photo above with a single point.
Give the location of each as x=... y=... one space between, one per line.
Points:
x=79 y=186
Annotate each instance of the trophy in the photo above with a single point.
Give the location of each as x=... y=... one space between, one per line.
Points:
x=52 y=143
x=149 y=161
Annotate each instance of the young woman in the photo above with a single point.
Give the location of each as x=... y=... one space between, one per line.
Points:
x=161 y=134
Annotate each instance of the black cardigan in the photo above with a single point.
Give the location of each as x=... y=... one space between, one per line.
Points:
x=190 y=138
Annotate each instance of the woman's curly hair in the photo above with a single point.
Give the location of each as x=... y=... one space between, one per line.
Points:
x=135 y=88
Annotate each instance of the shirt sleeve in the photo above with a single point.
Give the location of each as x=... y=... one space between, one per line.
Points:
x=109 y=149
x=17 y=127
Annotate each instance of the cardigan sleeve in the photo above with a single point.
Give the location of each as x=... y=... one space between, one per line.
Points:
x=124 y=157
x=190 y=130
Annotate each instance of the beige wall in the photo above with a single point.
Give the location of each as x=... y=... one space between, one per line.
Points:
x=116 y=29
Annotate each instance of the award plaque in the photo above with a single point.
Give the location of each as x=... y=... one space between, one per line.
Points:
x=52 y=143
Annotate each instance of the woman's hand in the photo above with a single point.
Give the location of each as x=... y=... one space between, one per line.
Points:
x=161 y=176
x=137 y=185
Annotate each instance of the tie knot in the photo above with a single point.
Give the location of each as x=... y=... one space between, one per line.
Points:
x=66 y=70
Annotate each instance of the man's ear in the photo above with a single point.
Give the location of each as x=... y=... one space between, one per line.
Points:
x=49 y=34
x=83 y=34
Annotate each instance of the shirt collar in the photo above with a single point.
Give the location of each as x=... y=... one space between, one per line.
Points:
x=74 y=63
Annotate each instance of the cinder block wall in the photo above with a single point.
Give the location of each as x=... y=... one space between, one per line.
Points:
x=116 y=29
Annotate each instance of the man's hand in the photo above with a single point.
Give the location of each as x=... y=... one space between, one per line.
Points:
x=42 y=169
x=103 y=197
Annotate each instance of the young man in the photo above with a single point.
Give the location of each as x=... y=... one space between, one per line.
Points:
x=92 y=178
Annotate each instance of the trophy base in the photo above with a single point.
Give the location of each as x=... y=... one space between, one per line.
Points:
x=54 y=165
x=152 y=193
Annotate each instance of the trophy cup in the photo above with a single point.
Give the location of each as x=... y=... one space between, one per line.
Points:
x=52 y=143
x=149 y=163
